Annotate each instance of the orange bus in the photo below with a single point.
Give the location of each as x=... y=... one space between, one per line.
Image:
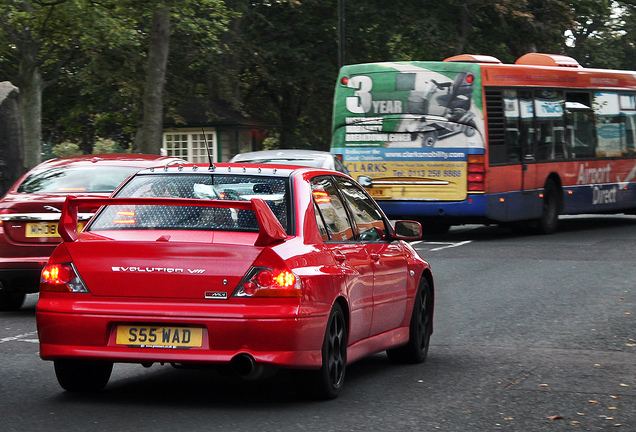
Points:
x=473 y=140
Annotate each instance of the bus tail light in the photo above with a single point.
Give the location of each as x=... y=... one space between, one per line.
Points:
x=476 y=173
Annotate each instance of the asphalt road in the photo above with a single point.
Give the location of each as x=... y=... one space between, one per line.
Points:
x=532 y=333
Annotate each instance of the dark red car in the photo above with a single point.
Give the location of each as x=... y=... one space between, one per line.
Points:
x=31 y=208
x=257 y=267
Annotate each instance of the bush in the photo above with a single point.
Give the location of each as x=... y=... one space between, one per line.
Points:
x=66 y=149
x=105 y=145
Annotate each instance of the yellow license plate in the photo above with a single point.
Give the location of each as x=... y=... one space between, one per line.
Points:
x=376 y=192
x=44 y=229
x=159 y=336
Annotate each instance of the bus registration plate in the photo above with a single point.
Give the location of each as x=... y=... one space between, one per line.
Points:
x=159 y=337
x=376 y=192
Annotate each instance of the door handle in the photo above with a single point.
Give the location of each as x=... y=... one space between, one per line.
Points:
x=374 y=256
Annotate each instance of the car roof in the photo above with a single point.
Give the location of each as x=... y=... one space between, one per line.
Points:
x=114 y=159
x=265 y=170
x=282 y=153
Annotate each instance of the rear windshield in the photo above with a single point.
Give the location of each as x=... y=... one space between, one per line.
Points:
x=272 y=190
x=91 y=179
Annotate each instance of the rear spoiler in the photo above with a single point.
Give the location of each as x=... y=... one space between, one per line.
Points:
x=270 y=229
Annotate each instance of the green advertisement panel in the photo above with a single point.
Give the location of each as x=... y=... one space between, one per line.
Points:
x=411 y=124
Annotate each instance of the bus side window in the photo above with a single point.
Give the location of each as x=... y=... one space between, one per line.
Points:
x=628 y=112
x=580 y=131
x=550 y=121
x=512 y=135
x=526 y=125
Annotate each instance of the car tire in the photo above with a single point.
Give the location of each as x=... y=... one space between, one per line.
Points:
x=11 y=300
x=83 y=375
x=326 y=382
x=416 y=350
x=551 y=208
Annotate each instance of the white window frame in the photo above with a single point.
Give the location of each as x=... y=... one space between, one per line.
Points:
x=189 y=144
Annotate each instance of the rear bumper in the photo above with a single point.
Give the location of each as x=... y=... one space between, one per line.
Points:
x=291 y=341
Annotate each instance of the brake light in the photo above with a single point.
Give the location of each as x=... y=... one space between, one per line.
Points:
x=321 y=197
x=61 y=278
x=125 y=218
x=476 y=173
x=268 y=282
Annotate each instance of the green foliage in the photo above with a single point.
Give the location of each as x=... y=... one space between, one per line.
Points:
x=275 y=60
x=105 y=145
x=66 y=149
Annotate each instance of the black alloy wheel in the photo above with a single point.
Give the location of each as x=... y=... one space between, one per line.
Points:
x=416 y=350
x=326 y=383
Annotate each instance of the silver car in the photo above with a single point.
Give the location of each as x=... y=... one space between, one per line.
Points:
x=310 y=158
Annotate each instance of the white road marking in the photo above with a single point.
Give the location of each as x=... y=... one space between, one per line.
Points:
x=450 y=245
x=20 y=337
x=446 y=244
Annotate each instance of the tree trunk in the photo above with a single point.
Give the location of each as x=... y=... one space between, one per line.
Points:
x=149 y=135
x=464 y=28
x=11 y=137
x=31 y=86
x=289 y=113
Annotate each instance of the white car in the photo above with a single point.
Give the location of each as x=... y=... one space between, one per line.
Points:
x=310 y=158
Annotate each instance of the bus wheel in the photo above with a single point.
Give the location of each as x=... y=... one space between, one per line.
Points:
x=551 y=205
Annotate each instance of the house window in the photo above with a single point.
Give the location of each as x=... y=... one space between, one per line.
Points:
x=190 y=145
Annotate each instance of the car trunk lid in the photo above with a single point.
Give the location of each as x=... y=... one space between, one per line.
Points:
x=161 y=269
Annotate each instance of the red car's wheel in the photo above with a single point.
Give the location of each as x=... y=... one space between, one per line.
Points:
x=416 y=350
x=11 y=301
x=327 y=382
x=83 y=375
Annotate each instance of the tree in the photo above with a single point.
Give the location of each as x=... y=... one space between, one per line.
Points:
x=150 y=130
x=202 y=20
x=40 y=38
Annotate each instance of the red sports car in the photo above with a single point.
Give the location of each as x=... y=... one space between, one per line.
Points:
x=257 y=267
x=31 y=208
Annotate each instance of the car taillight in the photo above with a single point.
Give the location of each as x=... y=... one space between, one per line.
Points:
x=268 y=282
x=476 y=173
x=61 y=278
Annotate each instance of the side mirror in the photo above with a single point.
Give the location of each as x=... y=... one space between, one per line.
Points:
x=408 y=230
x=365 y=181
